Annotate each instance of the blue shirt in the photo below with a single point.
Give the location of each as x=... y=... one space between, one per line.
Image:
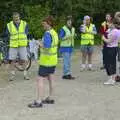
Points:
x=64 y=49
x=47 y=40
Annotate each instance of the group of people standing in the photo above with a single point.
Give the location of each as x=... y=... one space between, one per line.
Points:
x=110 y=37
x=110 y=34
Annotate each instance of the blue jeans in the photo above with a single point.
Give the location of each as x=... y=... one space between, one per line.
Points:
x=66 y=63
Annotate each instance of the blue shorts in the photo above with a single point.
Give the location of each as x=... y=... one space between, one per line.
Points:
x=45 y=71
x=87 y=48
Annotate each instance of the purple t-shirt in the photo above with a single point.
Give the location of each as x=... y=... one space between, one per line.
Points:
x=114 y=35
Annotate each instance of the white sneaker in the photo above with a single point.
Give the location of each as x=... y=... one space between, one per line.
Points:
x=12 y=78
x=26 y=78
x=109 y=82
x=83 y=67
x=90 y=67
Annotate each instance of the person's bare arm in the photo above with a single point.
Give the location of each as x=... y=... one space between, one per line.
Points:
x=109 y=40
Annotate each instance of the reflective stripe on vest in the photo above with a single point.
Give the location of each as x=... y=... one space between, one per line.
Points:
x=87 y=38
x=48 y=56
x=18 y=38
x=68 y=40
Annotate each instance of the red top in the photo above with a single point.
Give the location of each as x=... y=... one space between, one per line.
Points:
x=103 y=28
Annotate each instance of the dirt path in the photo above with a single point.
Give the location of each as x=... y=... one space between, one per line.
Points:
x=86 y=98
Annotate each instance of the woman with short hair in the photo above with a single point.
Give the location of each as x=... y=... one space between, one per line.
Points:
x=47 y=63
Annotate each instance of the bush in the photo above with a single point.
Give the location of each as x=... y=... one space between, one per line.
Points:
x=35 y=15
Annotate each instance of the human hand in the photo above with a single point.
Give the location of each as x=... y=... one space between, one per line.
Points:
x=40 y=43
x=68 y=37
x=103 y=37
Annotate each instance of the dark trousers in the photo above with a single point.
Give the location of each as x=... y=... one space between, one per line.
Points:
x=104 y=54
x=110 y=60
x=118 y=54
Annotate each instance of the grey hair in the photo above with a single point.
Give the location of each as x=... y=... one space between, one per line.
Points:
x=116 y=20
x=16 y=14
x=117 y=14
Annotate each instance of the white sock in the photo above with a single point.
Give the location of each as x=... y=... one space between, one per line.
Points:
x=89 y=65
x=83 y=65
x=13 y=72
x=111 y=77
x=39 y=101
x=25 y=73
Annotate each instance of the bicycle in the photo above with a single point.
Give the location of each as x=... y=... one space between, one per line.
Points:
x=18 y=65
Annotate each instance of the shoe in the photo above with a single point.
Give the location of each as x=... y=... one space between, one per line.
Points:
x=65 y=77
x=26 y=78
x=48 y=101
x=35 y=104
x=12 y=78
x=90 y=68
x=109 y=82
x=102 y=68
x=69 y=77
x=82 y=69
x=117 y=78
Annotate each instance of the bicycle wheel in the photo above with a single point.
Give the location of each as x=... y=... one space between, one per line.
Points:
x=27 y=65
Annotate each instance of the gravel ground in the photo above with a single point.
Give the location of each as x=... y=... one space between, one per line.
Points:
x=85 y=98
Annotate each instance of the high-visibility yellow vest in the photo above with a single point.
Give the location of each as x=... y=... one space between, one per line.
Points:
x=68 y=40
x=48 y=56
x=18 y=38
x=87 y=38
x=1 y=56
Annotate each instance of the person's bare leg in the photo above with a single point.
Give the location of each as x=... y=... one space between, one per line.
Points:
x=84 y=56
x=49 y=99
x=12 y=71
x=40 y=88
x=25 y=72
x=40 y=91
x=51 y=79
x=90 y=60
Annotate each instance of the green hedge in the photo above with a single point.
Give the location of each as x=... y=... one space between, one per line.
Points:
x=36 y=13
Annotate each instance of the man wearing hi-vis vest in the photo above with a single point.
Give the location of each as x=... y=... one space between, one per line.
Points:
x=66 y=36
x=88 y=30
x=17 y=31
x=1 y=57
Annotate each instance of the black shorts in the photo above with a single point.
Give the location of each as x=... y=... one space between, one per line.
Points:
x=45 y=71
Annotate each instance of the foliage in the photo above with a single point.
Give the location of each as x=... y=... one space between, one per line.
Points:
x=33 y=11
x=35 y=15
